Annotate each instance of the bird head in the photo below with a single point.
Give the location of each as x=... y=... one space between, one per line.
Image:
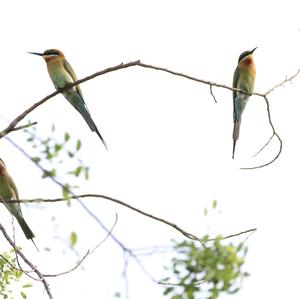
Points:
x=246 y=57
x=50 y=55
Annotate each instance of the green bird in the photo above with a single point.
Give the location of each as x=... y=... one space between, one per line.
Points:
x=244 y=79
x=8 y=190
x=62 y=74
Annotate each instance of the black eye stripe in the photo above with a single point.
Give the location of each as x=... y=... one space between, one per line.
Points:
x=51 y=53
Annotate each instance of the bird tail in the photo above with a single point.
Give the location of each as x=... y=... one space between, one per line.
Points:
x=235 y=135
x=98 y=133
x=26 y=229
x=77 y=101
x=239 y=104
x=93 y=127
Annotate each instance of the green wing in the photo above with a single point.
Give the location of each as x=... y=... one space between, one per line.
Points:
x=70 y=70
x=13 y=186
x=236 y=77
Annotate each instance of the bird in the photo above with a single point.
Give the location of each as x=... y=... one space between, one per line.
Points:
x=62 y=74
x=244 y=79
x=8 y=191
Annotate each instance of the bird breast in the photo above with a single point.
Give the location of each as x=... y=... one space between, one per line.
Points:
x=59 y=76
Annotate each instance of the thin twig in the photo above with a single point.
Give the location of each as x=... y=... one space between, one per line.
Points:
x=252 y=230
x=20 y=128
x=275 y=134
x=288 y=79
x=181 y=284
x=212 y=94
x=263 y=147
x=125 y=276
x=10 y=264
x=151 y=250
x=26 y=272
x=246 y=239
x=87 y=253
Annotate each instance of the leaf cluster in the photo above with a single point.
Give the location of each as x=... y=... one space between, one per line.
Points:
x=205 y=272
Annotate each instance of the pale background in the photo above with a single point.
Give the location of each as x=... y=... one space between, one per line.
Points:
x=169 y=143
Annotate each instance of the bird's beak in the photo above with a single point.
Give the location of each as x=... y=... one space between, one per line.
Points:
x=253 y=50
x=35 y=53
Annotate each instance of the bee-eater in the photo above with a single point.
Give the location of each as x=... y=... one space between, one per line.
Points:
x=62 y=74
x=244 y=79
x=8 y=191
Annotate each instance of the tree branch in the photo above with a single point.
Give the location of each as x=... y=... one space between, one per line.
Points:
x=274 y=134
x=19 y=128
x=175 y=226
x=288 y=79
x=12 y=126
x=27 y=261
x=119 y=202
x=86 y=209
x=252 y=230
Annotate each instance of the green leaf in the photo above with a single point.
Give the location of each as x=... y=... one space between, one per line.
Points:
x=73 y=239
x=168 y=290
x=66 y=190
x=78 y=145
x=70 y=154
x=86 y=173
x=49 y=156
x=27 y=285
x=24 y=296
x=51 y=173
x=36 y=159
x=57 y=147
x=214 y=204
x=67 y=136
x=76 y=172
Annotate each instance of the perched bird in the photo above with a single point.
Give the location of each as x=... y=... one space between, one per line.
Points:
x=244 y=79
x=8 y=190
x=62 y=74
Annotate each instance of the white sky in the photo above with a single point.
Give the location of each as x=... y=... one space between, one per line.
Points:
x=169 y=143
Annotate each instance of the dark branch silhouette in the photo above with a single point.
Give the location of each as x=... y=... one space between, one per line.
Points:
x=175 y=226
x=12 y=126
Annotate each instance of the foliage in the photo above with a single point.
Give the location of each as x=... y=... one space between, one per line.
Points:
x=51 y=154
x=205 y=272
x=209 y=271
x=10 y=274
